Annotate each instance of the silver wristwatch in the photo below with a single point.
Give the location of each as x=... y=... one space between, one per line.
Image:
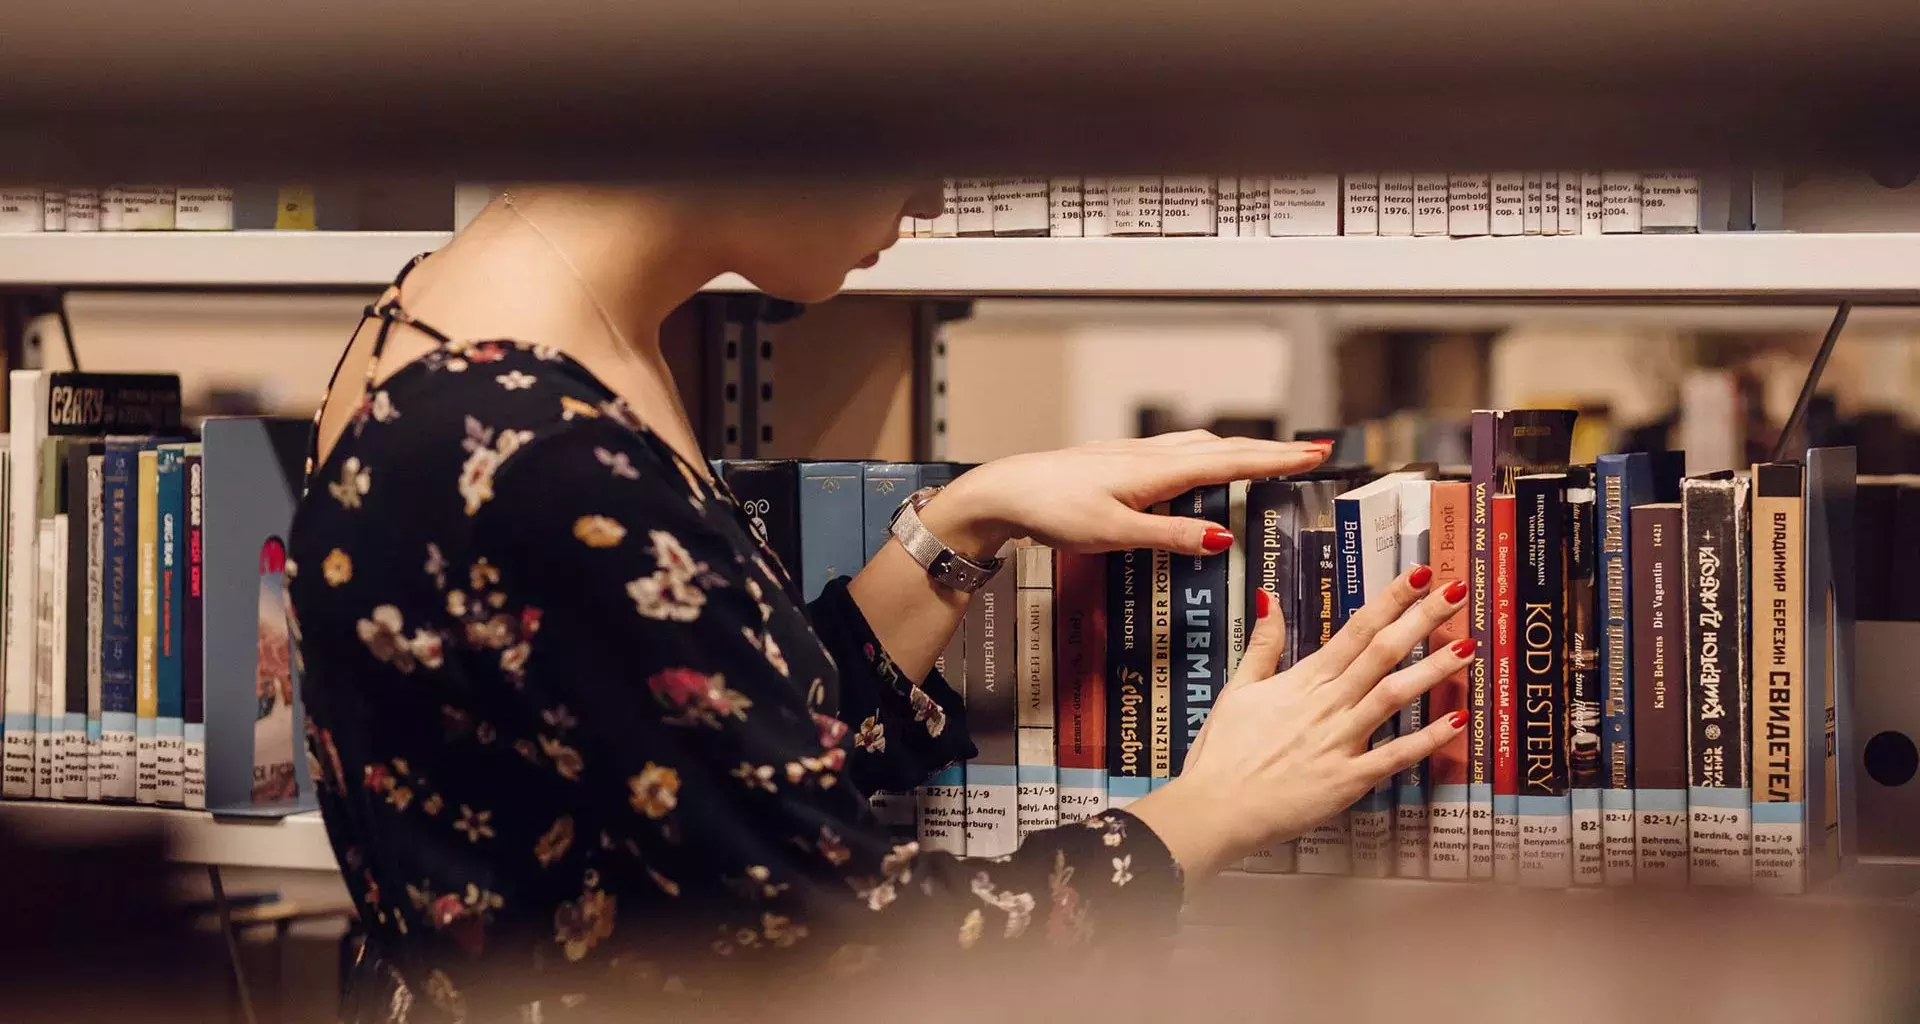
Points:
x=947 y=566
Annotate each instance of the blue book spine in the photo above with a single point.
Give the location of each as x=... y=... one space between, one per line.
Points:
x=1199 y=584
x=1349 y=585
x=887 y=485
x=832 y=541
x=120 y=597
x=170 y=720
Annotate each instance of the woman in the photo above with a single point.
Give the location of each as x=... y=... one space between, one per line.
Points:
x=572 y=729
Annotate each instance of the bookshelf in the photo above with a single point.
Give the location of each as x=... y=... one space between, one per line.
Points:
x=1867 y=266
x=297 y=842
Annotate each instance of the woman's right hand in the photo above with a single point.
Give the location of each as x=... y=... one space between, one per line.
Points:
x=1282 y=753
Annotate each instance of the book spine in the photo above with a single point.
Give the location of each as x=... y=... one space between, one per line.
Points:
x=1670 y=202
x=1130 y=671
x=1571 y=202
x=974 y=215
x=1620 y=202
x=832 y=532
x=1256 y=205
x=146 y=628
x=83 y=210
x=1396 y=203
x=1226 y=207
x=1187 y=205
x=947 y=223
x=27 y=411
x=203 y=208
x=1160 y=679
x=1534 y=211
x=1469 y=204
x=170 y=703
x=1593 y=197
x=1480 y=813
x=1586 y=696
x=46 y=767
x=1719 y=794
x=1080 y=683
x=1019 y=207
x=1199 y=631
x=1430 y=200
x=120 y=506
x=96 y=605
x=193 y=673
x=1096 y=216
x=1659 y=697
x=1779 y=701
x=1066 y=210
x=1303 y=204
x=1503 y=654
x=992 y=797
x=1546 y=850
x=1616 y=799
x=1509 y=203
x=1039 y=775
x=1410 y=818
x=1360 y=208
x=1448 y=838
x=1133 y=205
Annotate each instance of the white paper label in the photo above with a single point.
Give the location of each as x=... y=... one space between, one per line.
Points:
x=1360 y=210
x=1779 y=857
x=1546 y=850
x=943 y=819
x=1660 y=845
x=1186 y=205
x=1469 y=204
x=1616 y=826
x=1509 y=203
x=1396 y=203
x=1720 y=845
x=1304 y=204
x=1429 y=204
x=1325 y=849
x=1410 y=840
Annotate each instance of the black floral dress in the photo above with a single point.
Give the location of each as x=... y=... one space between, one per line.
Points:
x=574 y=733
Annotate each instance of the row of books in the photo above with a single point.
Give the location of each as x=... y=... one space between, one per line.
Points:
x=145 y=636
x=1403 y=203
x=29 y=209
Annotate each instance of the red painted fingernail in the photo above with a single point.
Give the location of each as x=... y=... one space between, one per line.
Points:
x=1216 y=540
x=1420 y=577
x=1463 y=648
x=1458 y=719
x=1456 y=592
x=1262 y=604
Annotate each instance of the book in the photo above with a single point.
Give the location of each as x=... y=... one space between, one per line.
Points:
x=27 y=428
x=1066 y=213
x=1469 y=204
x=1129 y=670
x=1360 y=208
x=1719 y=790
x=1780 y=720
x=193 y=621
x=1199 y=630
x=1586 y=697
x=833 y=541
x=1303 y=204
x=1830 y=550
x=993 y=717
x=1019 y=206
x=1447 y=771
x=1670 y=202
x=203 y=208
x=1430 y=199
x=1187 y=205
x=1659 y=695
x=1546 y=842
x=1080 y=682
x=1133 y=205
x=1620 y=202
x=1396 y=203
x=94 y=618
x=768 y=491
x=147 y=626
x=1095 y=215
x=1039 y=776
x=1410 y=818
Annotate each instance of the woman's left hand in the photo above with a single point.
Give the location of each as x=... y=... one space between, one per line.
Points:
x=1091 y=498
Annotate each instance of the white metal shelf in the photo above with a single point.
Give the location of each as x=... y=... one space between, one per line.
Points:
x=1885 y=266
x=297 y=842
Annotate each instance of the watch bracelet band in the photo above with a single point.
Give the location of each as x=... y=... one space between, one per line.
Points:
x=946 y=566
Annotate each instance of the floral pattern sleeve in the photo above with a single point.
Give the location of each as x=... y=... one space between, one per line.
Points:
x=685 y=708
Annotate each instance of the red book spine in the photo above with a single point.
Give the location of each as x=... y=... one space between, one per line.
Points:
x=1080 y=661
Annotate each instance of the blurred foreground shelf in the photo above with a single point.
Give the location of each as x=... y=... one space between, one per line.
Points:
x=297 y=842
